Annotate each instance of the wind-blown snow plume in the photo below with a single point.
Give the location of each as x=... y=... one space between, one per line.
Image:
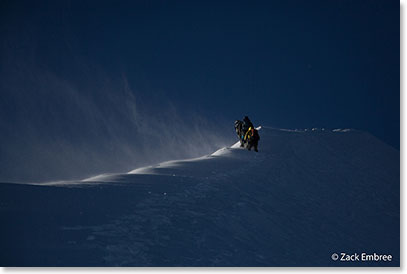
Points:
x=56 y=128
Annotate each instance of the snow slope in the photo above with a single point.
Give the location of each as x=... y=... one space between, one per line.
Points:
x=304 y=196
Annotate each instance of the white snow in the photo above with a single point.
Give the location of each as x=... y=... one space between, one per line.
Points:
x=302 y=197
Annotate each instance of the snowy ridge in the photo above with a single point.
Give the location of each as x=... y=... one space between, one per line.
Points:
x=302 y=197
x=106 y=178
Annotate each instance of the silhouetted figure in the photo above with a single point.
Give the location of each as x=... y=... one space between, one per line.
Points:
x=252 y=137
x=246 y=124
x=248 y=135
x=239 y=131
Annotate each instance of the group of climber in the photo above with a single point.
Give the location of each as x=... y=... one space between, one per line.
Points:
x=248 y=135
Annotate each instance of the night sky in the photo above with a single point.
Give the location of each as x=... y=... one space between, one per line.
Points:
x=70 y=69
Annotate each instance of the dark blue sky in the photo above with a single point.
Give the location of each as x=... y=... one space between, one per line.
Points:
x=290 y=64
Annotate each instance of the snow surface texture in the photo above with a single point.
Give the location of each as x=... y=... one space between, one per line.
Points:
x=304 y=196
